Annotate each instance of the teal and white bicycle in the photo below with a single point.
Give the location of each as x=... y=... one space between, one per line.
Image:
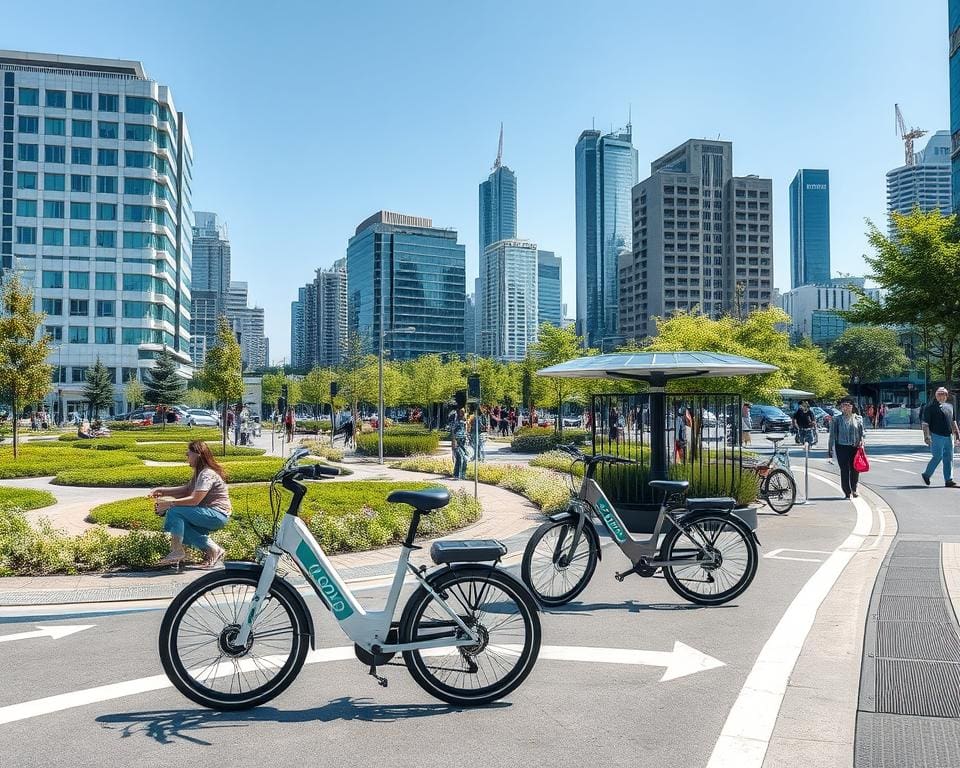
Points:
x=469 y=633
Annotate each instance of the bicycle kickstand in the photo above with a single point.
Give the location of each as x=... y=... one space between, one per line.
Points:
x=381 y=681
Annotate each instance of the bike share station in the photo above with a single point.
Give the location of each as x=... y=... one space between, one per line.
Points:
x=634 y=484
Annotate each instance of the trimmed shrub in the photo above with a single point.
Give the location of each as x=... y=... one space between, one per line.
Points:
x=150 y=477
x=40 y=462
x=177 y=451
x=323 y=449
x=398 y=444
x=540 y=439
x=24 y=499
x=312 y=426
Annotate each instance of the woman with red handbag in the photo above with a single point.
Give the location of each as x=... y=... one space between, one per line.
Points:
x=846 y=435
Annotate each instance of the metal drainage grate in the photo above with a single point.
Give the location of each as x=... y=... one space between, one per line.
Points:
x=913 y=640
x=902 y=608
x=910 y=588
x=926 y=688
x=917 y=549
x=913 y=573
x=894 y=741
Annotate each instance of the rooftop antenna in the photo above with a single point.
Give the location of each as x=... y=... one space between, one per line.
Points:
x=499 y=161
x=629 y=118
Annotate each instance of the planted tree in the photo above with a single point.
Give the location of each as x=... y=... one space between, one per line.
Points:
x=221 y=372
x=24 y=373
x=98 y=389
x=163 y=384
x=869 y=351
x=554 y=346
x=134 y=393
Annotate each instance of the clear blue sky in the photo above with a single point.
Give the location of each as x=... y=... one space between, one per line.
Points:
x=306 y=117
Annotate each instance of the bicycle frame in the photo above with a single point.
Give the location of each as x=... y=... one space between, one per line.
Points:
x=368 y=629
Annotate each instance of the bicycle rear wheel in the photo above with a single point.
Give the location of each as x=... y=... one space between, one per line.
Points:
x=550 y=570
x=722 y=557
x=498 y=608
x=780 y=491
x=197 y=633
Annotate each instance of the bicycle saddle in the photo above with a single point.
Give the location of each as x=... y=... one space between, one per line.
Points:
x=424 y=501
x=671 y=486
x=775 y=440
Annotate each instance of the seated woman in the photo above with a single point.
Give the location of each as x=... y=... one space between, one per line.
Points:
x=196 y=509
x=83 y=431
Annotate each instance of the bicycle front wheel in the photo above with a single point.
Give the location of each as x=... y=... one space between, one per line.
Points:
x=721 y=554
x=553 y=572
x=780 y=491
x=494 y=605
x=197 y=637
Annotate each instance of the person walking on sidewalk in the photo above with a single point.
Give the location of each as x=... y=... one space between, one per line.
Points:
x=846 y=435
x=939 y=432
x=805 y=422
x=194 y=510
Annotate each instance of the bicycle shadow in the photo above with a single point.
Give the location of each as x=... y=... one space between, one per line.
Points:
x=632 y=606
x=168 y=726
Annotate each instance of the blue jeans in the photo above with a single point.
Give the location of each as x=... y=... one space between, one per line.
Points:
x=192 y=524
x=460 y=462
x=941 y=449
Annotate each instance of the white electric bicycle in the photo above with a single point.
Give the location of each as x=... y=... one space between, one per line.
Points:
x=469 y=633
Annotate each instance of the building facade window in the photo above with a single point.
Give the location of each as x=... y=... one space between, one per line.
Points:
x=27 y=208
x=106 y=212
x=108 y=102
x=54 y=182
x=79 y=183
x=106 y=281
x=79 y=210
x=106 y=157
x=107 y=185
x=28 y=153
x=26 y=235
x=55 y=126
x=81 y=155
x=55 y=332
x=79 y=307
x=54 y=153
x=80 y=238
x=105 y=335
x=52 y=236
x=51 y=279
x=79 y=334
x=106 y=238
x=82 y=100
x=107 y=129
x=53 y=209
x=29 y=97
x=52 y=307
x=26 y=180
x=56 y=99
x=80 y=280
x=106 y=308
x=28 y=124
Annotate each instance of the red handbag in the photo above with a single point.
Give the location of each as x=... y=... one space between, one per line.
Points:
x=860 y=463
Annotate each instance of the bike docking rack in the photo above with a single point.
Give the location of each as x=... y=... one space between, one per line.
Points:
x=676 y=435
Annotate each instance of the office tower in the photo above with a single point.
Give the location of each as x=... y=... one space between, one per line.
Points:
x=815 y=309
x=324 y=318
x=549 y=289
x=249 y=323
x=810 y=228
x=926 y=183
x=954 y=32
x=509 y=324
x=210 y=282
x=298 y=349
x=97 y=214
x=498 y=203
x=702 y=240
x=411 y=274
x=470 y=325
x=606 y=171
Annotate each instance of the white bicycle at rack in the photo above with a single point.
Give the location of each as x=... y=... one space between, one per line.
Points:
x=469 y=633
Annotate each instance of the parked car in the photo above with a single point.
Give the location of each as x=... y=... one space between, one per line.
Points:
x=573 y=421
x=769 y=418
x=197 y=417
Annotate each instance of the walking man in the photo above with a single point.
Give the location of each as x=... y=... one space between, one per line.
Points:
x=805 y=422
x=939 y=433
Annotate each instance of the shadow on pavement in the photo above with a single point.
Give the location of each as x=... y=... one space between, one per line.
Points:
x=632 y=606
x=167 y=726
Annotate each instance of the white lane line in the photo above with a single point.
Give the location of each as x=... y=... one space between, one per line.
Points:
x=746 y=733
x=681 y=661
x=905 y=471
x=775 y=555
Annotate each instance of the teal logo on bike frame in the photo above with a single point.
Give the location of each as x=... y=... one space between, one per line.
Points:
x=328 y=590
x=611 y=520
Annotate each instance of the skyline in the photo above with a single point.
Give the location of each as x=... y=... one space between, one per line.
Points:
x=420 y=140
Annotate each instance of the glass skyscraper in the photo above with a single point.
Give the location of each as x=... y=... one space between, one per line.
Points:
x=508 y=272
x=606 y=171
x=412 y=273
x=97 y=217
x=810 y=228
x=549 y=289
x=498 y=207
x=926 y=183
x=954 y=17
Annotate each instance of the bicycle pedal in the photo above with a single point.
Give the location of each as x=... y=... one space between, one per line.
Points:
x=381 y=681
x=621 y=576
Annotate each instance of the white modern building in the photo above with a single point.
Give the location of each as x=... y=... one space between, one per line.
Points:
x=926 y=183
x=249 y=323
x=815 y=309
x=97 y=215
x=509 y=306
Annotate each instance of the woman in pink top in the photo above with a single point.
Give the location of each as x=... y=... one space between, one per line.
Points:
x=196 y=509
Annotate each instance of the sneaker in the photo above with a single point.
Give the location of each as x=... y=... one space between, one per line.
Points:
x=926 y=478
x=855 y=494
x=951 y=484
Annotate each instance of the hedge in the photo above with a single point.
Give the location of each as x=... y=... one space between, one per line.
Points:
x=161 y=432
x=40 y=462
x=323 y=449
x=177 y=451
x=394 y=444
x=544 y=488
x=24 y=499
x=540 y=439
x=312 y=426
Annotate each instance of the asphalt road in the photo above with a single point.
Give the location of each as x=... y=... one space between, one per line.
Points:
x=602 y=712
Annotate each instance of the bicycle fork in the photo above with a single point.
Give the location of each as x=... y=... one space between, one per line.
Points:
x=267 y=576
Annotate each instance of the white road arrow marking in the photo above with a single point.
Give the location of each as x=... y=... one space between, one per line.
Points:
x=54 y=633
x=682 y=660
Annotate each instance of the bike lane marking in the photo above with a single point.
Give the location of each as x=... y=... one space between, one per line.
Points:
x=679 y=662
x=746 y=733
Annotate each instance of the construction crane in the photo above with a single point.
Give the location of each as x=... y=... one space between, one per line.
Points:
x=907 y=136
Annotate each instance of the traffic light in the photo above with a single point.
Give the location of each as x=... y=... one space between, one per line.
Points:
x=473 y=387
x=334 y=388
x=461 y=398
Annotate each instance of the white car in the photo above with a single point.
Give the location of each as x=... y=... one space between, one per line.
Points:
x=200 y=418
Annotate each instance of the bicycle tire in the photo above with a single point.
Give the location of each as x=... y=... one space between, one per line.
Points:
x=231 y=584
x=780 y=491
x=512 y=655
x=723 y=523
x=546 y=564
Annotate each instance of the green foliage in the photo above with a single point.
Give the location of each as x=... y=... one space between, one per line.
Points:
x=221 y=375
x=312 y=425
x=177 y=451
x=397 y=444
x=163 y=384
x=323 y=449
x=554 y=346
x=240 y=471
x=272 y=385
x=44 y=461
x=195 y=397
x=919 y=271
x=24 y=499
x=540 y=439
x=315 y=388
x=134 y=393
x=156 y=432
x=24 y=373
x=98 y=389
x=869 y=351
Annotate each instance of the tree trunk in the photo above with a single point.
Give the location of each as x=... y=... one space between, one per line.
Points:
x=16 y=419
x=223 y=424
